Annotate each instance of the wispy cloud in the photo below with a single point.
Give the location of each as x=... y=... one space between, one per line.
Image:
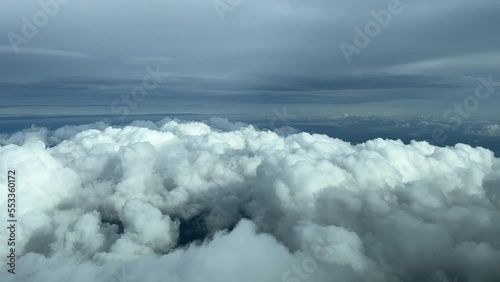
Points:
x=45 y=52
x=140 y=61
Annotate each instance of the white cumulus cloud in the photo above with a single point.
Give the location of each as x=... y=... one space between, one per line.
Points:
x=98 y=203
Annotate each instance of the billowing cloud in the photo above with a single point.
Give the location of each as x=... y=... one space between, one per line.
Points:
x=98 y=203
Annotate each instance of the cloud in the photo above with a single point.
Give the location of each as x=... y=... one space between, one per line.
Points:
x=149 y=61
x=45 y=52
x=472 y=61
x=485 y=130
x=97 y=200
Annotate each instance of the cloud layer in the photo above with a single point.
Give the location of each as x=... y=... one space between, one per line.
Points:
x=99 y=203
x=420 y=62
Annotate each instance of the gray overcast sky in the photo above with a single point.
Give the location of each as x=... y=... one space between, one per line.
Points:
x=262 y=55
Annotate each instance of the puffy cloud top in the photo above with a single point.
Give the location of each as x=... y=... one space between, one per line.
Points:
x=98 y=203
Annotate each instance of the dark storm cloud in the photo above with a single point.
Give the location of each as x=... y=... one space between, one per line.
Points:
x=255 y=89
x=280 y=52
x=355 y=82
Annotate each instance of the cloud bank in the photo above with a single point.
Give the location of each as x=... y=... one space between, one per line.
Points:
x=102 y=203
